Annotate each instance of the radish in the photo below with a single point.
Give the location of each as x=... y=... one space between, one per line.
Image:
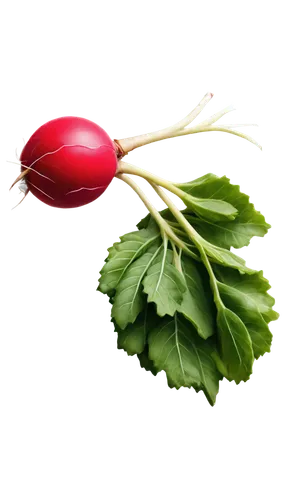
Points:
x=70 y=161
x=65 y=158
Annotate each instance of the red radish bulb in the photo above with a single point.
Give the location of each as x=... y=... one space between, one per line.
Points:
x=72 y=161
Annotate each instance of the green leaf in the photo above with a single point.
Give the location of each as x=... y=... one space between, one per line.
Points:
x=148 y=221
x=225 y=257
x=146 y=362
x=164 y=285
x=252 y=288
x=150 y=320
x=247 y=297
x=175 y=347
x=236 y=233
x=248 y=312
x=133 y=338
x=197 y=305
x=143 y=224
x=209 y=209
x=236 y=345
x=261 y=337
x=122 y=255
x=129 y=299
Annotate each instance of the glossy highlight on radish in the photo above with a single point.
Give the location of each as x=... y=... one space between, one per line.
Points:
x=71 y=162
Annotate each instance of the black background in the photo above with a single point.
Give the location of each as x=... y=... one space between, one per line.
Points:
x=56 y=343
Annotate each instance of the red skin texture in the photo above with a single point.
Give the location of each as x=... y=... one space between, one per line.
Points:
x=69 y=154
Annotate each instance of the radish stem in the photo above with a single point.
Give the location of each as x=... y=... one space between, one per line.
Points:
x=166 y=133
x=195 y=237
x=223 y=128
x=163 y=225
x=179 y=129
x=127 y=168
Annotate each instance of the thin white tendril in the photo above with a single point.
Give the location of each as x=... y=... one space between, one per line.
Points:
x=12 y=165
x=41 y=190
x=87 y=188
x=33 y=170
x=214 y=118
x=240 y=124
x=23 y=197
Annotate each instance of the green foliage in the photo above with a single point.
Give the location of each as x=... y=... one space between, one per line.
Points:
x=247 y=296
x=197 y=320
x=236 y=233
x=176 y=348
x=121 y=255
x=146 y=362
x=165 y=285
x=209 y=209
x=197 y=305
x=236 y=347
x=129 y=300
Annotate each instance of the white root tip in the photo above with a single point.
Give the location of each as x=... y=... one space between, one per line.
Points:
x=241 y=124
x=20 y=202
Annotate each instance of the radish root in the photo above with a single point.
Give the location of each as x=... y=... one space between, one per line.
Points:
x=22 y=199
x=20 y=177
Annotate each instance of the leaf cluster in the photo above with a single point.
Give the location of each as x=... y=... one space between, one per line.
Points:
x=199 y=319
